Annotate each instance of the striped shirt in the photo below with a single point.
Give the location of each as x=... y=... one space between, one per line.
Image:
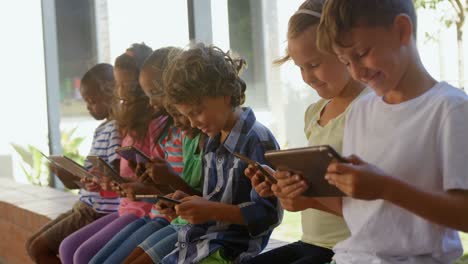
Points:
x=170 y=145
x=170 y=148
x=224 y=181
x=106 y=139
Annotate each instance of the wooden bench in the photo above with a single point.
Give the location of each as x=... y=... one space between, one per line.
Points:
x=24 y=209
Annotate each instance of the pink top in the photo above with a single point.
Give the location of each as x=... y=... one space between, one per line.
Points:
x=155 y=128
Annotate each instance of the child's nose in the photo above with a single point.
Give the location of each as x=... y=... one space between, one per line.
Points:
x=308 y=77
x=357 y=72
x=193 y=122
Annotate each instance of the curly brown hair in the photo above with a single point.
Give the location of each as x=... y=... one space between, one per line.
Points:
x=299 y=22
x=133 y=113
x=204 y=71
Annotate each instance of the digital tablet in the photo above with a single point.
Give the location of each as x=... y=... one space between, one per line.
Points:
x=157 y=197
x=257 y=165
x=312 y=162
x=134 y=154
x=75 y=172
x=105 y=168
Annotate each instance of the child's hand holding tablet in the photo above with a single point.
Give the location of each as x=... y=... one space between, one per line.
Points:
x=311 y=164
x=266 y=174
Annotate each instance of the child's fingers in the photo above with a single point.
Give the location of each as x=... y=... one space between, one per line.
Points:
x=181 y=209
x=279 y=175
x=250 y=171
x=187 y=198
x=339 y=179
x=289 y=181
x=266 y=193
x=260 y=176
x=143 y=177
x=167 y=211
x=178 y=195
x=292 y=188
x=340 y=168
x=264 y=189
x=157 y=160
x=276 y=189
x=84 y=180
x=298 y=192
x=355 y=160
x=256 y=180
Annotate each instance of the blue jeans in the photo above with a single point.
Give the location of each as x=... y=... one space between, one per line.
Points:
x=127 y=239
x=161 y=243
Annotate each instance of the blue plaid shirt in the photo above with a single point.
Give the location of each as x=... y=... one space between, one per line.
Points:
x=225 y=182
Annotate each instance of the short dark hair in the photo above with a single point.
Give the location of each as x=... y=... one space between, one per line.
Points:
x=99 y=80
x=340 y=16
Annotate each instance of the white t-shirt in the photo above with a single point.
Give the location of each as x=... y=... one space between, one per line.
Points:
x=422 y=141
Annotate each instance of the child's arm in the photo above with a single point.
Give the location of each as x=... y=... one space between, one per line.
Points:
x=198 y=210
x=161 y=172
x=365 y=181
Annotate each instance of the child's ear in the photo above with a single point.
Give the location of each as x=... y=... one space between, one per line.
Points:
x=404 y=27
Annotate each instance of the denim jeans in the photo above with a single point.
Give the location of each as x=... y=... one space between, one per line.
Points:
x=161 y=243
x=127 y=239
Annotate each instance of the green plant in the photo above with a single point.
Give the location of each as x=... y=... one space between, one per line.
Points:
x=455 y=15
x=71 y=144
x=462 y=260
x=34 y=164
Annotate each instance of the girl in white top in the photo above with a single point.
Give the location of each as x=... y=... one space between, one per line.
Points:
x=324 y=124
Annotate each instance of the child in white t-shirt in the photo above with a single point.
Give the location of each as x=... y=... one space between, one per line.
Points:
x=407 y=179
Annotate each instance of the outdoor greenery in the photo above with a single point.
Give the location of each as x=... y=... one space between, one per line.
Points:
x=34 y=164
x=455 y=15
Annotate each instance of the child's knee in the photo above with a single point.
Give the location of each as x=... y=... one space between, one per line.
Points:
x=83 y=254
x=39 y=247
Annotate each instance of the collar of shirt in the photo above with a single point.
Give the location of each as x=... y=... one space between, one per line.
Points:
x=238 y=135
